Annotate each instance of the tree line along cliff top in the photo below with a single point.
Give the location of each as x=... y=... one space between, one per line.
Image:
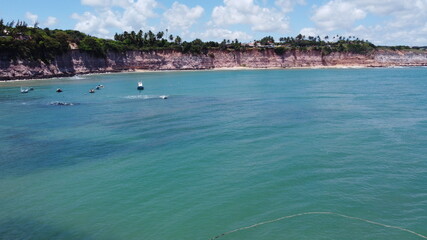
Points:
x=20 y=41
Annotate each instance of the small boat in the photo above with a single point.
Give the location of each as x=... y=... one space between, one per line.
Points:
x=163 y=97
x=140 y=86
x=58 y=90
x=24 y=90
x=92 y=91
x=99 y=87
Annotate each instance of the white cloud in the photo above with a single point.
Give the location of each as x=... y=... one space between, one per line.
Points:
x=337 y=14
x=50 y=21
x=404 y=21
x=219 y=34
x=385 y=35
x=107 y=3
x=32 y=17
x=132 y=15
x=89 y=23
x=247 y=12
x=385 y=7
x=181 y=17
x=140 y=10
x=288 y=5
x=309 y=32
x=396 y=21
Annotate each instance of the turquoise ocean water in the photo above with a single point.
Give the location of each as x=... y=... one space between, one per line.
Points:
x=227 y=149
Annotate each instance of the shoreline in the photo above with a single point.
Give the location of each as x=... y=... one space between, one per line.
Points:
x=81 y=63
x=198 y=70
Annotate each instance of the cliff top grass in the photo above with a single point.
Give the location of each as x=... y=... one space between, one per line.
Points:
x=20 y=41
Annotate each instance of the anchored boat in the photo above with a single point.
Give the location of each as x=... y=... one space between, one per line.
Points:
x=140 y=86
x=24 y=90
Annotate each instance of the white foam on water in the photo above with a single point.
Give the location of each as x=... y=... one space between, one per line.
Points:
x=397 y=67
x=77 y=77
x=145 y=97
x=138 y=97
x=319 y=213
x=58 y=103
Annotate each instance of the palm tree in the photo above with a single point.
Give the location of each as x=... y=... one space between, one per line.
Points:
x=178 y=40
x=132 y=36
x=151 y=38
x=2 y=27
x=160 y=35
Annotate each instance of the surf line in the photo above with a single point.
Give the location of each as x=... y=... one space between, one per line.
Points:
x=318 y=213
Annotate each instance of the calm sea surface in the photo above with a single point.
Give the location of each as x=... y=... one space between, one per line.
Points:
x=226 y=150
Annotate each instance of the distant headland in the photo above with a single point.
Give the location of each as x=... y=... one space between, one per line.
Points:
x=31 y=52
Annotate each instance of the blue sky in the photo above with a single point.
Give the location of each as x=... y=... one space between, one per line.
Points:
x=383 y=22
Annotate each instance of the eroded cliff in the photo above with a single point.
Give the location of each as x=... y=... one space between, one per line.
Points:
x=78 y=62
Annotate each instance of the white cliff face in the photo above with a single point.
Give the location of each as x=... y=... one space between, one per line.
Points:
x=402 y=58
x=77 y=62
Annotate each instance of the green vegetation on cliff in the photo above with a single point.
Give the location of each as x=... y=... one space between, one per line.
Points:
x=338 y=44
x=20 y=41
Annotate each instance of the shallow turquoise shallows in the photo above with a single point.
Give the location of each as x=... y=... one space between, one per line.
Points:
x=225 y=150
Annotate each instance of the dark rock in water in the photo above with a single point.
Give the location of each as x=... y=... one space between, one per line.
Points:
x=57 y=103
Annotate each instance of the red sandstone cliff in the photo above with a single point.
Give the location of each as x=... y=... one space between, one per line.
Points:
x=77 y=62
